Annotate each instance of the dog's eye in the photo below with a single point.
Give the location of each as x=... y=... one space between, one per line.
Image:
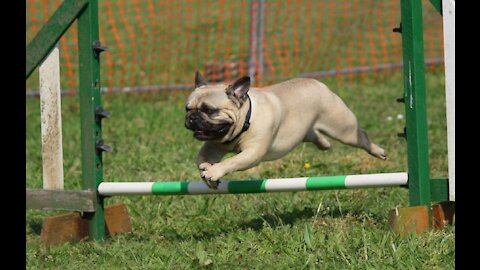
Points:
x=208 y=110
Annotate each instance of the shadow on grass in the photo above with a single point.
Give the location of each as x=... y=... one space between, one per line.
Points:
x=35 y=226
x=269 y=219
x=274 y=220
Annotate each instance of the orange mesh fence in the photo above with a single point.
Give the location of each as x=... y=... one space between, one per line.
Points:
x=158 y=45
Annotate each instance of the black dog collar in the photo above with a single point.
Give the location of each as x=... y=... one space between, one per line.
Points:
x=246 y=125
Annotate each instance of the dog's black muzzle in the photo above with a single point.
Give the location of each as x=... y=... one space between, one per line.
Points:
x=192 y=121
x=203 y=129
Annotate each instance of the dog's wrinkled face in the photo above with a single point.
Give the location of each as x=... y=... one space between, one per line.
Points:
x=213 y=110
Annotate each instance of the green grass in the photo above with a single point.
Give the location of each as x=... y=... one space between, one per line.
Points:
x=301 y=230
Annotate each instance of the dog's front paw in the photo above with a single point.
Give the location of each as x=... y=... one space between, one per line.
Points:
x=212 y=174
x=204 y=166
x=212 y=184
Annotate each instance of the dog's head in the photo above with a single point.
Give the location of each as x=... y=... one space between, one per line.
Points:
x=216 y=112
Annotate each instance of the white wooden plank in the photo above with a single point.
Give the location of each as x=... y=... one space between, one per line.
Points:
x=448 y=10
x=51 y=119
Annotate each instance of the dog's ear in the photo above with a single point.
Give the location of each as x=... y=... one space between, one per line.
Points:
x=239 y=89
x=199 y=80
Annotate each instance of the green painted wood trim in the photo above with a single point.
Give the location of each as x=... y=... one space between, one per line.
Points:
x=51 y=32
x=438 y=5
x=69 y=200
x=170 y=188
x=90 y=99
x=439 y=190
x=253 y=186
x=326 y=182
x=415 y=103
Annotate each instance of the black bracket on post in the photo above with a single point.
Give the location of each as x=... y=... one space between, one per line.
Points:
x=398 y=29
x=403 y=134
x=98 y=48
x=100 y=113
x=101 y=146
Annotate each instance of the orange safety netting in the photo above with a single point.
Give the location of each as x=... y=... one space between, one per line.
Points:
x=158 y=45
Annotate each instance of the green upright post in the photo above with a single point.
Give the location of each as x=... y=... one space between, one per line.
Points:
x=415 y=103
x=90 y=100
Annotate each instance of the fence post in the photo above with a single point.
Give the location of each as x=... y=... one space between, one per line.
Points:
x=415 y=103
x=253 y=60
x=51 y=118
x=257 y=36
x=261 y=39
x=449 y=48
x=90 y=100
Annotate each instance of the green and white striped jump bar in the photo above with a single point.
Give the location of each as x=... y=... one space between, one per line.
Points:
x=255 y=186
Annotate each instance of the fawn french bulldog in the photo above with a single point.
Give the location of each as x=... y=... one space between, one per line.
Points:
x=263 y=124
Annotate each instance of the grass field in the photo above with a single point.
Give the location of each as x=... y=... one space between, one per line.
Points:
x=303 y=230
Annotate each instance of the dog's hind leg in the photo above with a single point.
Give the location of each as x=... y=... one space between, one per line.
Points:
x=370 y=147
x=348 y=132
x=315 y=137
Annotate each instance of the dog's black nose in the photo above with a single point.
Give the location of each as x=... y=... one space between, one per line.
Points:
x=193 y=118
x=191 y=121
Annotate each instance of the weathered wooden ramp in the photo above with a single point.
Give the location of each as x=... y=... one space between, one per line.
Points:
x=407 y=220
x=72 y=227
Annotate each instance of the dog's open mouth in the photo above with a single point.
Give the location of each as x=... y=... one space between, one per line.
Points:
x=216 y=132
x=206 y=135
x=201 y=135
